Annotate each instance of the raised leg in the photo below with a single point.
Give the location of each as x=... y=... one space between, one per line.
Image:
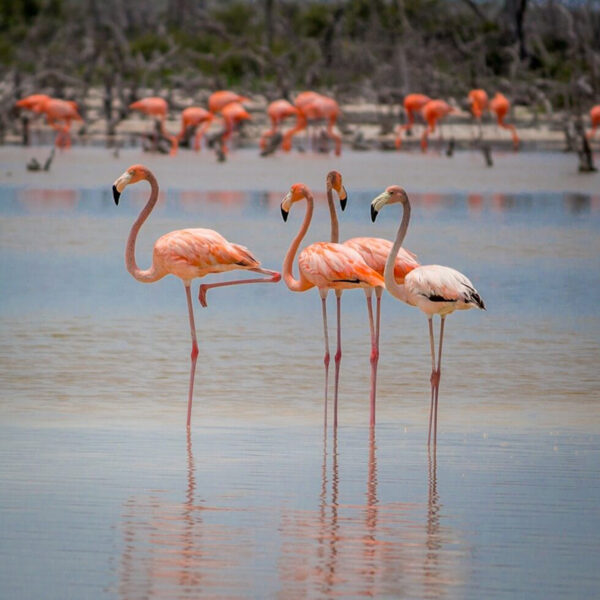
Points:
x=323 y=293
x=439 y=374
x=274 y=278
x=338 y=355
x=194 y=355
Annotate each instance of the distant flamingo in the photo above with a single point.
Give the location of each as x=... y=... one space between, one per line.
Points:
x=156 y=107
x=59 y=114
x=325 y=265
x=233 y=113
x=433 y=111
x=187 y=254
x=500 y=105
x=277 y=111
x=220 y=99
x=32 y=102
x=197 y=117
x=313 y=106
x=478 y=99
x=413 y=103
x=595 y=117
x=431 y=288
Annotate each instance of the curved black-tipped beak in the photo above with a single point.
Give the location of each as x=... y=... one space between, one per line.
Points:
x=284 y=213
x=374 y=213
x=343 y=202
x=116 y=195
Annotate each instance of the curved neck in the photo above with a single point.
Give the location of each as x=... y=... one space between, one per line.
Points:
x=335 y=230
x=399 y=291
x=297 y=285
x=151 y=274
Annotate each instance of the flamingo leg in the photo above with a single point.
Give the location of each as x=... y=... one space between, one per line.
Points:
x=194 y=355
x=274 y=277
x=323 y=293
x=439 y=373
x=432 y=378
x=372 y=328
x=338 y=354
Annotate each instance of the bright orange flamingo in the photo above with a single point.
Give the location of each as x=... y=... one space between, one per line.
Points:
x=277 y=111
x=187 y=254
x=156 y=107
x=59 y=114
x=197 y=117
x=233 y=113
x=595 y=117
x=413 y=103
x=500 y=105
x=325 y=265
x=313 y=106
x=478 y=99
x=433 y=111
x=220 y=99
x=32 y=102
x=434 y=289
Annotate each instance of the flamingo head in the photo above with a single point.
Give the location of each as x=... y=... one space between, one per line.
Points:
x=392 y=195
x=297 y=192
x=334 y=181
x=134 y=174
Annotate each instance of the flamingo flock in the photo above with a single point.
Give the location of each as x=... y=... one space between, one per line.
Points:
x=371 y=264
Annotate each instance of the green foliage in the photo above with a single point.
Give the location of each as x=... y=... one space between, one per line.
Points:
x=148 y=44
x=16 y=12
x=236 y=17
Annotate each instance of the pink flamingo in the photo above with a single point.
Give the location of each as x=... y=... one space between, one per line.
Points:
x=500 y=105
x=595 y=117
x=220 y=99
x=32 y=102
x=187 y=254
x=156 y=107
x=325 y=265
x=233 y=113
x=277 y=111
x=433 y=111
x=431 y=288
x=59 y=114
x=197 y=117
x=413 y=103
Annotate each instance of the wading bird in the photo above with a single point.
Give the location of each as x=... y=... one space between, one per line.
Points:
x=500 y=105
x=413 y=103
x=156 y=107
x=198 y=118
x=32 y=102
x=277 y=111
x=595 y=117
x=433 y=111
x=325 y=265
x=187 y=254
x=59 y=114
x=434 y=289
x=217 y=101
x=233 y=113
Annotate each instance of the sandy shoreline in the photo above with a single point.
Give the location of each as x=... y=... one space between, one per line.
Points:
x=92 y=167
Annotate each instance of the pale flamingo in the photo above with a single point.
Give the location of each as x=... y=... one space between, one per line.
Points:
x=500 y=105
x=413 y=103
x=433 y=111
x=595 y=117
x=156 y=107
x=431 y=288
x=187 y=254
x=220 y=99
x=313 y=106
x=233 y=113
x=277 y=111
x=325 y=265
x=198 y=118
x=59 y=114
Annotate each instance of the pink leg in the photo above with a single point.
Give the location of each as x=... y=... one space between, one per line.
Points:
x=323 y=293
x=374 y=355
x=439 y=374
x=194 y=355
x=433 y=378
x=275 y=277
x=338 y=355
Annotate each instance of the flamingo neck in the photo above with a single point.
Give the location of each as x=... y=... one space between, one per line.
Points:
x=335 y=229
x=151 y=274
x=392 y=286
x=297 y=285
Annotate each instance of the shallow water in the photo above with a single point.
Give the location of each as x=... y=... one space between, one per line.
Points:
x=102 y=495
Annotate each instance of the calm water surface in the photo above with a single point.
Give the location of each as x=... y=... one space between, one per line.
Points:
x=103 y=496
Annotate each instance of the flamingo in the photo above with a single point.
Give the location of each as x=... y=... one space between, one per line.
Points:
x=413 y=103
x=277 y=111
x=478 y=99
x=156 y=107
x=195 y=116
x=431 y=288
x=187 y=254
x=232 y=113
x=311 y=106
x=500 y=105
x=220 y=99
x=325 y=265
x=57 y=110
x=433 y=111
x=32 y=102
x=595 y=117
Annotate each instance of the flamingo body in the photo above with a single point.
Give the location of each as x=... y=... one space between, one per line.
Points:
x=218 y=100
x=433 y=111
x=32 y=102
x=59 y=114
x=595 y=118
x=412 y=103
x=500 y=105
x=277 y=111
x=156 y=107
x=193 y=116
x=478 y=99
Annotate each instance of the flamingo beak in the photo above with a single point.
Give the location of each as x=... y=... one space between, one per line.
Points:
x=378 y=203
x=343 y=198
x=284 y=214
x=285 y=205
x=374 y=213
x=119 y=185
x=116 y=194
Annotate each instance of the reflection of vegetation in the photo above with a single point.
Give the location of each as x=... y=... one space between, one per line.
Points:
x=541 y=51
